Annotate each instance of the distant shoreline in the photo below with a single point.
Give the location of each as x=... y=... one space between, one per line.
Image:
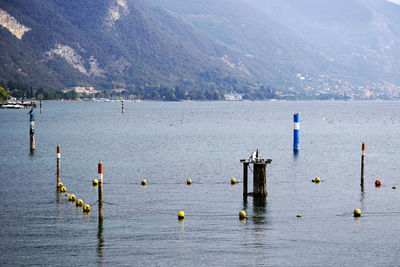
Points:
x=245 y=100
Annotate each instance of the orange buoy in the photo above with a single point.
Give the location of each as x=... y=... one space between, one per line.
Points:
x=377 y=183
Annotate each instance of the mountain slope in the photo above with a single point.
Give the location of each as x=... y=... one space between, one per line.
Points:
x=270 y=52
x=349 y=48
x=363 y=35
x=107 y=42
x=329 y=46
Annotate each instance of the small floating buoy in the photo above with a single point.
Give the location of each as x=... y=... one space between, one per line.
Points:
x=181 y=215
x=63 y=189
x=95 y=182
x=189 y=181
x=233 y=181
x=59 y=185
x=144 y=182
x=394 y=187
x=299 y=215
x=79 y=202
x=242 y=215
x=72 y=197
x=317 y=180
x=357 y=213
x=86 y=208
x=377 y=183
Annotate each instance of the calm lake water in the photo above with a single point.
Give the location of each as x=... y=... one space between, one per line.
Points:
x=166 y=143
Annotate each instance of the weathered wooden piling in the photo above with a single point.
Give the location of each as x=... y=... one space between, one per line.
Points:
x=58 y=164
x=362 y=166
x=40 y=106
x=259 y=179
x=122 y=106
x=100 y=191
x=259 y=175
x=32 y=132
x=245 y=177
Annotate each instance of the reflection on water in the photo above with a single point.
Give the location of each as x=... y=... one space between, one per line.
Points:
x=58 y=216
x=259 y=210
x=296 y=155
x=100 y=243
x=245 y=203
x=86 y=215
x=182 y=225
x=362 y=197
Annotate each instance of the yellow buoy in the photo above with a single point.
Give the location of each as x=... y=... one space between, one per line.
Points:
x=181 y=215
x=72 y=197
x=317 y=180
x=233 y=181
x=357 y=213
x=63 y=189
x=242 y=215
x=79 y=202
x=86 y=208
x=144 y=182
x=95 y=182
x=189 y=181
x=394 y=187
x=59 y=185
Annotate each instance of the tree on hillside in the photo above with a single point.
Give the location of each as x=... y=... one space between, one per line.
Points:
x=3 y=94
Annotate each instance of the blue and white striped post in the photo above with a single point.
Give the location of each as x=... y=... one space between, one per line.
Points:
x=296 y=132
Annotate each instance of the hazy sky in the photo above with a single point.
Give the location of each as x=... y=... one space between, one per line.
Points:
x=395 y=1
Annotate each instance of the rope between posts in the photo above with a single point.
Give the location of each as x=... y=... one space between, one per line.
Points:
x=170 y=213
x=158 y=183
x=109 y=203
x=373 y=213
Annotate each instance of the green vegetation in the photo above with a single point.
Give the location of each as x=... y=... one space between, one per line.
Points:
x=22 y=91
x=3 y=94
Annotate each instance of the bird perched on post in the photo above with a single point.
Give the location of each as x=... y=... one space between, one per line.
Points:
x=253 y=156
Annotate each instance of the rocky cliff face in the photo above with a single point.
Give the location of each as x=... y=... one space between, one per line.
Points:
x=11 y=24
x=117 y=9
x=75 y=60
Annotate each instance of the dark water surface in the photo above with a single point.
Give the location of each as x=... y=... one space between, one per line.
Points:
x=166 y=143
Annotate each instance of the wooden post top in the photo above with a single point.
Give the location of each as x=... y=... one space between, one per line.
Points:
x=260 y=161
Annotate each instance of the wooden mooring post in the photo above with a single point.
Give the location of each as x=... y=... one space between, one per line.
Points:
x=362 y=166
x=100 y=199
x=259 y=175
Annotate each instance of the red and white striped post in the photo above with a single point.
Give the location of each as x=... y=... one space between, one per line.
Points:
x=100 y=200
x=58 y=164
x=122 y=106
x=362 y=166
x=32 y=132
